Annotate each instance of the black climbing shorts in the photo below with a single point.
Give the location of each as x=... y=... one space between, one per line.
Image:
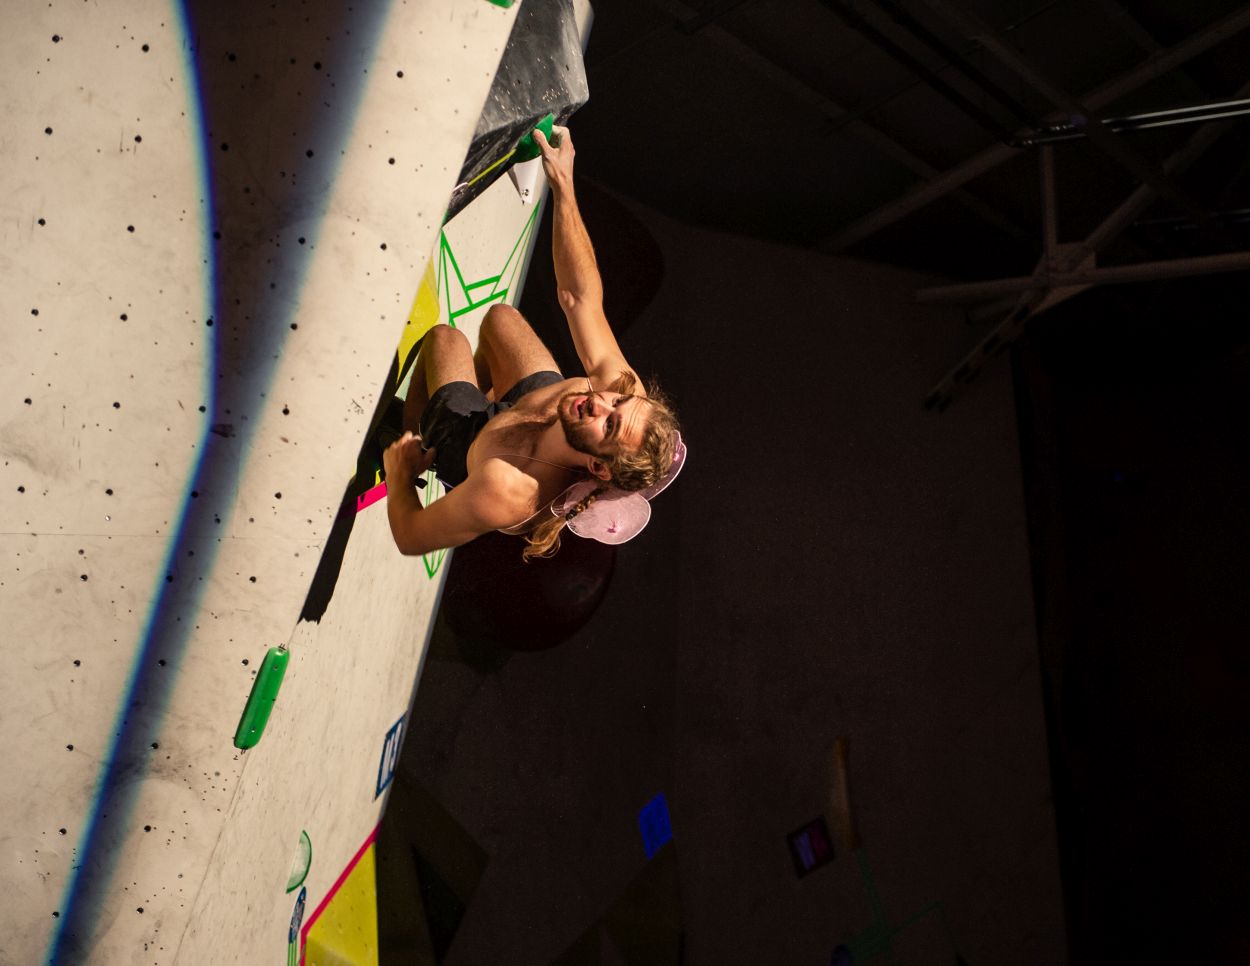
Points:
x=457 y=412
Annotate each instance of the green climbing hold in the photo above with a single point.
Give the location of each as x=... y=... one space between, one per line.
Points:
x=527 y=148
x=260 y=702
x=300 y=863
x=502 y=3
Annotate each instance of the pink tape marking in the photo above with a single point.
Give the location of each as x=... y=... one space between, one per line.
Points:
x=370 y=497
x=308 y=923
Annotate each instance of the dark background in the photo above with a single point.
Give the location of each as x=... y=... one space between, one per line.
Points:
x=1027 y=611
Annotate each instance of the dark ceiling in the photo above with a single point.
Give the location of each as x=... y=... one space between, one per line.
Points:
x=796 y=120
x=891 y=130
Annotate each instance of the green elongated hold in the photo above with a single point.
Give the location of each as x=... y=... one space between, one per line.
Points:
x=260 y=702
x=527 y=148
x=502 y=3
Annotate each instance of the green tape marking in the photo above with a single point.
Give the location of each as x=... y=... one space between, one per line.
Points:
x=450 y=274
x=433 y=560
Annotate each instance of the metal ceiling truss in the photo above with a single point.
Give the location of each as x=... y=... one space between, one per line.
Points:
x=1193 y=114
x=1098 y=134
x=1160 y=62
x=1065 y=270
x=785 y=79
x=848 y=11
x=901 y=16
x=1086 y=277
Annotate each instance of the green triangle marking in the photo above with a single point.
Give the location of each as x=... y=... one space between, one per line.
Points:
x=433 y=561
x=477 y=305
x=434 y=490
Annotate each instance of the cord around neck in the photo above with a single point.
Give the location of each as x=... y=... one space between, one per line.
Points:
x=517 y=529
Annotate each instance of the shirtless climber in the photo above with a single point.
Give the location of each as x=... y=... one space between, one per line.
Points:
x=521 y=448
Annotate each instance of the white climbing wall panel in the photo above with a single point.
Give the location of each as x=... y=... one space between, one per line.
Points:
x=214 y=222
x=362 y=658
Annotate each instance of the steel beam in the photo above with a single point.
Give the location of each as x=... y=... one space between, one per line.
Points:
x=1138 y=272
x=1116 y=148
x=1050 y=211
x=1136 y=203
x=1192 y=114
x=846 y=9
x=955 y=60
x=803 y=93
x=1228 y=216
x=1153 y=66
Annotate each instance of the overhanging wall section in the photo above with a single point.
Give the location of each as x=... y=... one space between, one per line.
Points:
x=324 y=766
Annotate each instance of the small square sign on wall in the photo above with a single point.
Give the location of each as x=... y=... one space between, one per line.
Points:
x=654 y=823
x=810 y=847
x=390 y=755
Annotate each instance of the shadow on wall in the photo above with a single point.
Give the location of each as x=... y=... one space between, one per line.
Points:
x=494 y=599
x=276 y=119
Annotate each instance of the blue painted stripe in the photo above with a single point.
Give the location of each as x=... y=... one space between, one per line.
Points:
x=196 y=537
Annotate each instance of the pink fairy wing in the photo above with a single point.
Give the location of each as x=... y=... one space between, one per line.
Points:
x=613 y=517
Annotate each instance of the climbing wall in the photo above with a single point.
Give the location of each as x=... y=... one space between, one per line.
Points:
x=222 y=238
x=362 y=653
